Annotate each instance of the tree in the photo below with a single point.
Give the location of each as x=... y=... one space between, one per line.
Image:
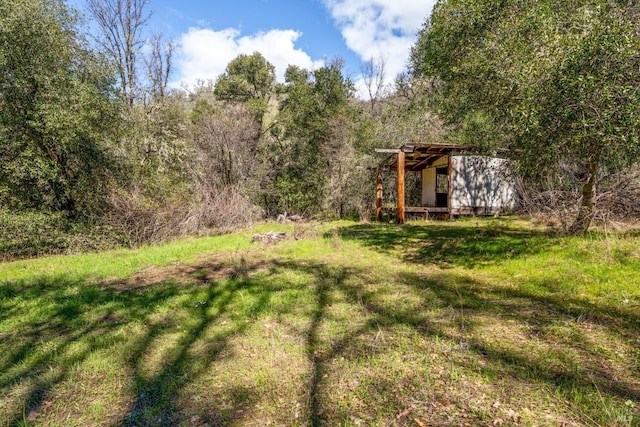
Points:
x=226 y=140
x=553 y=82
x=57 y=110
x=248 y=79
x=158 y=65
x=373 y=76
x=122 y=23
x=308 y=138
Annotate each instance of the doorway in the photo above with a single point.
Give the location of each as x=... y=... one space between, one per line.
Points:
x=442 y=187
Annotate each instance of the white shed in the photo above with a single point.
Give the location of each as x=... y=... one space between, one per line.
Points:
x=452 y=182
x=479 y=185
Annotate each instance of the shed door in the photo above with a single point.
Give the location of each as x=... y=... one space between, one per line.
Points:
x=442 y=187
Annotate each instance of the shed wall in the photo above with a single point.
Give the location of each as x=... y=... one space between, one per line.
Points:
x=480 y=184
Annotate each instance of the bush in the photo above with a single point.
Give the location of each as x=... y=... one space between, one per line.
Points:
x=30 y=234
x=139 y=219
x=227 y=209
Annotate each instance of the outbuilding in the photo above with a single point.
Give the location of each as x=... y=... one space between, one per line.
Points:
x=452 y=181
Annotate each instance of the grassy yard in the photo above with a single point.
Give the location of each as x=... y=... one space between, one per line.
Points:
x=476 y=322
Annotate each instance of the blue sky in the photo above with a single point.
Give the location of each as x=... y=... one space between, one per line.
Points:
x=307 y=33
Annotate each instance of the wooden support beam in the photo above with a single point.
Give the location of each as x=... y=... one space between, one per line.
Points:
x=400 y=215
x=379 y=195
x=387 y=150
x=408 y=148
x=422 y=201
x=449 y=174
x=424 y=162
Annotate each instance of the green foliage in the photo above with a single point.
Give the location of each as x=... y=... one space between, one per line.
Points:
x=553 y=81
x=31 y=233
x=308 y=139
x=249 y=79
x=202 y=109
x=56 y=111
x=35 y=233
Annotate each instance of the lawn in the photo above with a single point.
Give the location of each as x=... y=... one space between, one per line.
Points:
x=474 y=322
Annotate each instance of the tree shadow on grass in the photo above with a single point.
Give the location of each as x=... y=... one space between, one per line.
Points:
x=156 y=392
x=466 y=245
x=536 y=314
x=579 y=366
x=60 y=322
x=192 y=304
x=39 y=351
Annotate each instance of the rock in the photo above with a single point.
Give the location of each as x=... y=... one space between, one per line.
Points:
x=269 y=238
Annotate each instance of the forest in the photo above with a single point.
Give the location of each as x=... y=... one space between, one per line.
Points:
x=97 y=151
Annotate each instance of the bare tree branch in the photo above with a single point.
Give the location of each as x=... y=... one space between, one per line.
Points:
x=122 y=22
x=373 y=76
x=158 y=65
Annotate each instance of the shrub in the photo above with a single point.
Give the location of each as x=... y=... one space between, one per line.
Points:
x=139 y=219
x=27 y=234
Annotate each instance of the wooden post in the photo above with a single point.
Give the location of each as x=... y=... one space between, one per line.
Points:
x=449 y=175
x=400 y=215
x=379 y=195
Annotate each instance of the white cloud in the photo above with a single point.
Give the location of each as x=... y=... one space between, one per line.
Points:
x=204 y=53
x=380 y=28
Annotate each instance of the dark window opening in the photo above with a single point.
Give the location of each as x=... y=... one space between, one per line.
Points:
x=442 y=187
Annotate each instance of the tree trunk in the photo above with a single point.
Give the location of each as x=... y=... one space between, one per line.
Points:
x=586 y=210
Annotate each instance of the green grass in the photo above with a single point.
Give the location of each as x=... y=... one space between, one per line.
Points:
x=475 y=322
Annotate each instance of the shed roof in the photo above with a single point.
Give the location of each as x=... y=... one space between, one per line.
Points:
x=418 y=156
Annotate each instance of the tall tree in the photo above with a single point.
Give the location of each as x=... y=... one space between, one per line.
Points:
x=374 y=73
x=122 y=23
x=553 y=81
x=56 y=110
x=226 y=139
x=309 y=136
x=249 y=79
x=158 y=64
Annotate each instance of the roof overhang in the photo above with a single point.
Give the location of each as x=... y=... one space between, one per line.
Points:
x=418 y=156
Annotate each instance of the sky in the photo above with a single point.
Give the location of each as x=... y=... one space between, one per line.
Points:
x=306 y=33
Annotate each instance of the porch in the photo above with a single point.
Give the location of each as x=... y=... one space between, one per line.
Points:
x=417 y=158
